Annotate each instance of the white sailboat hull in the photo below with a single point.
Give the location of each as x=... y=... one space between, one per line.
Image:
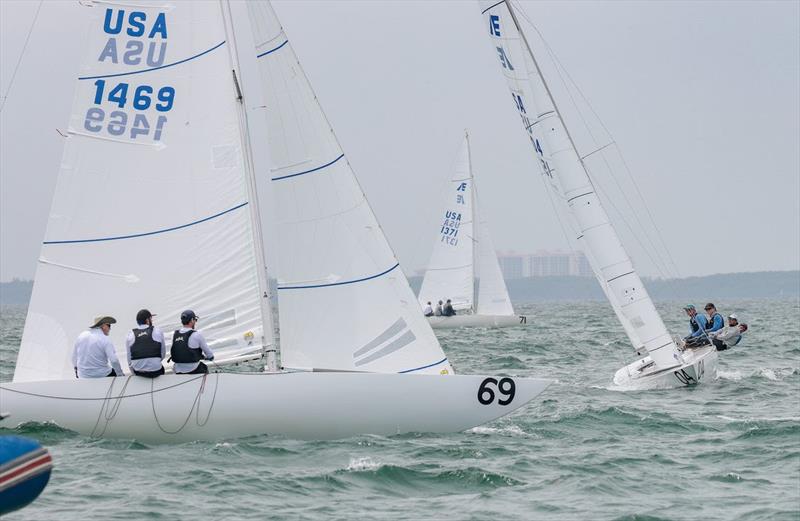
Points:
x=182 y=408
x=699 y=365
x=478 y=321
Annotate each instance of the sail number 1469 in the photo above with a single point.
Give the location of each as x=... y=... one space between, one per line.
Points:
x=123 y=123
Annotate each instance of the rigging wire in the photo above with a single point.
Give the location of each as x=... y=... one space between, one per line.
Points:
x=559 y=68
x=21 y=54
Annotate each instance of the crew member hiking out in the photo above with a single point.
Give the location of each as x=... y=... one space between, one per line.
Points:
x=189 y=347
x=94 y=351
x=145 y=346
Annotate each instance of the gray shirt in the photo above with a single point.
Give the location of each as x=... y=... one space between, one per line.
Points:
x=92 y=354
x=196 y=341
x=146 y=364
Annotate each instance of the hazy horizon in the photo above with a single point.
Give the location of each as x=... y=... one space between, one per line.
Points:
x=701 y=97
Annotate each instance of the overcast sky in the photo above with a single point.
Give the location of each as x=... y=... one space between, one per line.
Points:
x=702 y=98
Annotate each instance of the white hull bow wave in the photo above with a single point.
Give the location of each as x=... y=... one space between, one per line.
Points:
x=463 y=249
x=566 y=173
x=175 y=131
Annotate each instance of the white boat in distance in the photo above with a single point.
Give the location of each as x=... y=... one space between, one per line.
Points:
x=156 y=207
x=462 y=245
x=662 y=364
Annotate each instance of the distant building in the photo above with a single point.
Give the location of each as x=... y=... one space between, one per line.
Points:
x=544 y=264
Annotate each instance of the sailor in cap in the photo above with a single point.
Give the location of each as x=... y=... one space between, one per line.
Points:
x=94 y=355
x=189 y=347
x=145 y=346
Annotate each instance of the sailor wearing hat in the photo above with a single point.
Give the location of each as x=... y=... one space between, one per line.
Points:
x=94 y=351
x=145 y=346
x=189 y=347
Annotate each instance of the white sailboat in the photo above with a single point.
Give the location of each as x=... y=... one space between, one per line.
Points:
x=663 y=363
x=156 y=207
x=462 y=246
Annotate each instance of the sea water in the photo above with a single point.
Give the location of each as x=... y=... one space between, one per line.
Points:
x=726 y=449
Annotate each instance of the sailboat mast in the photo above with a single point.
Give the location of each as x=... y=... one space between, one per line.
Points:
x=472 y=218
x=544 y=81
x=252 y=191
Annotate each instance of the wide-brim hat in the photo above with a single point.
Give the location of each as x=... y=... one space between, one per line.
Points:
x=103 y=319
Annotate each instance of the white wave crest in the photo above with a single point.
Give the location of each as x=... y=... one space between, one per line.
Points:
x=729 y=375
x=511 y=430
x=361 y=464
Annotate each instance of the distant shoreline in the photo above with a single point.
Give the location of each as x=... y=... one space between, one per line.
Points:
x=761 y=284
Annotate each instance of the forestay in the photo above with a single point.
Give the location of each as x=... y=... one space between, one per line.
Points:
x=344 y=301
x=151 y=208
x=562 y=165
x=451 y=270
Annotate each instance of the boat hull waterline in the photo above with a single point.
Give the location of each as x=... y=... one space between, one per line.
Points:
x=478 y=321
x=303 y=405
x=698 y=365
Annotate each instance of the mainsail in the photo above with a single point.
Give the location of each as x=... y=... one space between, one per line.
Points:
x=345 y=304
x=152 y=206
x=562 y=164
x=451 y=270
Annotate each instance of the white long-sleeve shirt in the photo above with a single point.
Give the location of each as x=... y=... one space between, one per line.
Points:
x=196 y=341
x=146 y=364
x=730 y=335
x=92 y=354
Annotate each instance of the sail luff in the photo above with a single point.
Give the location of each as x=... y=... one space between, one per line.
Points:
x=549 y=134
x=475 y=223
x=268 y=329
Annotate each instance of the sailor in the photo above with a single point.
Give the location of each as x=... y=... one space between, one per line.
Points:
x=697 y=323
x=145 y=346
x=428 y=311
x=448 y=309
x=438 y=311
x=715 y=320
x=94 y=355
x=189 y=347
x=729 y=336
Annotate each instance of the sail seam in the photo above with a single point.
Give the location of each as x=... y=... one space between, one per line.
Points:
x=424 y=366
x=272 y=50
x=149 y=233
x=154 y=68
x=308 y=171
x=343 y=282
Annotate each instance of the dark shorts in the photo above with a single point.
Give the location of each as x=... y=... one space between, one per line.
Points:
x=149 y=374
x=200 y=369
x=720 y=345
x=112 y=373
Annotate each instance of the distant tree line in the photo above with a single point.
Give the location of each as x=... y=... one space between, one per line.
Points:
x=762 y=284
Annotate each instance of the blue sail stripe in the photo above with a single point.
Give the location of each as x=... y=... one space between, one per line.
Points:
x=343 y=282
x=149 y=233
x=154 y=68
x=424 y=366
x=272 y=50
x=308 y=171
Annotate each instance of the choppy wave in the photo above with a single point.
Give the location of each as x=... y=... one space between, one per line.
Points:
x=727 y=449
